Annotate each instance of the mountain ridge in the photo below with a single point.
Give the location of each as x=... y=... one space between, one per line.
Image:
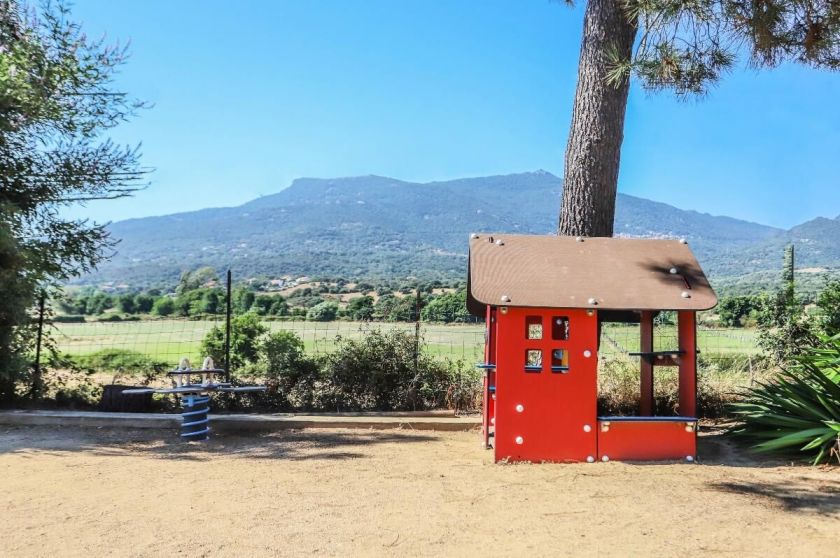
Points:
x=379 y=227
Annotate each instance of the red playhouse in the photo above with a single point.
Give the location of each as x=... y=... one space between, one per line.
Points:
x=545 y=299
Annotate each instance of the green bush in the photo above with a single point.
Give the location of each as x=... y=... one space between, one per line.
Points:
x=388 y=371
x=69 y=319
x=828 y=304
x=84 y=395
x=294 y=380
x=361 y=308
x=797 y=412
x=447 y=308
x=245 y=333
x=68 y=385
x=738 y=311
x=164 y=306
x=374 y=373
x=784 y=330
x=390 y=308
x=112 y=360
x=323 y=312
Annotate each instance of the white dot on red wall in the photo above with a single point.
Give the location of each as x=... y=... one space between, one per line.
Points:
x=587 y=353
x=520 y=408
x=519 y=440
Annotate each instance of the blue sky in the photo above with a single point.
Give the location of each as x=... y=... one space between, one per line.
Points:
x=250 y=95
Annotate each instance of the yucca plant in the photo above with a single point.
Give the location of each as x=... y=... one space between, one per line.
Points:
x=797 y=412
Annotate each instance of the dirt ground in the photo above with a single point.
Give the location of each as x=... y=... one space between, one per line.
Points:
x=90 y=492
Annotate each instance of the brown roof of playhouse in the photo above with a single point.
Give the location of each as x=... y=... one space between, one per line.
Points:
x=569 y=272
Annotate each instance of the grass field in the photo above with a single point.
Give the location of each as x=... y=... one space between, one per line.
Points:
x=625 y=338
x=169 y=340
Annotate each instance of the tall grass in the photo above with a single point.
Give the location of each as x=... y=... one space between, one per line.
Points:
x=719 y=379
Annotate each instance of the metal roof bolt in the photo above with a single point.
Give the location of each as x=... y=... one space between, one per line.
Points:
x=473 y=236
x=500 y=242
x=578 y=239
x=673 y=271
x=505 y=298
x=685 y=294
x=592 y=300
x=683 y=241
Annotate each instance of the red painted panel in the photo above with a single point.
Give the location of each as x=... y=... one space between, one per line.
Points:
x=646 y=441
x=687 y=330
x=555 y=407
x=646 y=365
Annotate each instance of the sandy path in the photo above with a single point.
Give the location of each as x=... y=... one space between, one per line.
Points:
x=77 y=492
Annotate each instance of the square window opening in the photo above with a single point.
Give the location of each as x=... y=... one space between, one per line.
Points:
x=533 y=360
x=560 y=328
x=533 y=327
x=559 y=360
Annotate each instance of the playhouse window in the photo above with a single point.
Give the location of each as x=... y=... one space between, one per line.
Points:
x=533 y=327
x=560 y=328
x=655 y=352
x=533 y=360
x=559 y=358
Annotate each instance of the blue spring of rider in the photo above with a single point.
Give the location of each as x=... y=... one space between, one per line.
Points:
x=195 y=424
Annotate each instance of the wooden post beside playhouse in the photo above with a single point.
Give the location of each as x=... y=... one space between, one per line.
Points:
x=545 y=300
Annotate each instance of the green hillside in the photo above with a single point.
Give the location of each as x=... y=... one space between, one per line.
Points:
x=375 y=227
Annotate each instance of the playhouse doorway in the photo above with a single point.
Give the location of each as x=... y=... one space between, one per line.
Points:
x=546 y=385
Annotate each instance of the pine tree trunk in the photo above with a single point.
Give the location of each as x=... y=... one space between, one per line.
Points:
x=590 y=176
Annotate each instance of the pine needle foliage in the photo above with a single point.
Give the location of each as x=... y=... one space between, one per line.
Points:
x=688 y=45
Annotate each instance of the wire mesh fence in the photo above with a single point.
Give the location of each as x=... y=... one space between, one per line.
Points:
x=714 y=343
x=169 y=340
x=165 y=341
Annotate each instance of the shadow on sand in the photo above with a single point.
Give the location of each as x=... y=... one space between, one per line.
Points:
x=808 y=496
x=286 y=444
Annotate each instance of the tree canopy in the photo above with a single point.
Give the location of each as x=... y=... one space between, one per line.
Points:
x=687 y=45
x=57 y=103
x=684 y=46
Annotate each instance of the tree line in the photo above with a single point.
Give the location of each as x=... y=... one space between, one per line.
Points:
x=305 y=304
